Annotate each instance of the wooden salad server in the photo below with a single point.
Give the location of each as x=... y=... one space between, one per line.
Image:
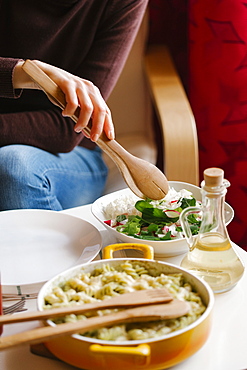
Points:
x=142 y=177
x=136 y=298
x=171 y=310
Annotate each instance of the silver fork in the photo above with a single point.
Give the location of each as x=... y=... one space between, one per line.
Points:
x=16 y=307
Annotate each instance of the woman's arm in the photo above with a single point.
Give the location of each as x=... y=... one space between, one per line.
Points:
x=77 y=91
x=33 y=120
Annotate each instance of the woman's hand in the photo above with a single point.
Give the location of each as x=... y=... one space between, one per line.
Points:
x=78 y=92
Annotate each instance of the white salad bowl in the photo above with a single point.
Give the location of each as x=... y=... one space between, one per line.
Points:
x=164 y=248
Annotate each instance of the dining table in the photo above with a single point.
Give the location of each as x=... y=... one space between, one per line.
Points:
x=225 y=348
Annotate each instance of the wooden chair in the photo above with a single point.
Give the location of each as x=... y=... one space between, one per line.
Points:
x=149 y=82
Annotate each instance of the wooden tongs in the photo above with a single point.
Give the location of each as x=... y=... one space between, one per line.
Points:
x=142 y=177
x=148 y=311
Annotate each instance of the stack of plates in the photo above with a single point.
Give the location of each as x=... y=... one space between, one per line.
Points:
x=36 y=245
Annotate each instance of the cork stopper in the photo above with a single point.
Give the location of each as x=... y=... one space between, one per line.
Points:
x=213 y=177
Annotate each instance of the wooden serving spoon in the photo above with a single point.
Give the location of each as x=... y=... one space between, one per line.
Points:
x=142 y=177
x=171 y=310
x=136 y=298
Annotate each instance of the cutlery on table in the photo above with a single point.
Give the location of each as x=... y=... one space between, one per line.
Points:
x=16 y=307
x=13 y=297
x=142 y=177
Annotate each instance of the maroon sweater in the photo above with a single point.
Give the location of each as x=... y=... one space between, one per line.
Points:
x=89 y=38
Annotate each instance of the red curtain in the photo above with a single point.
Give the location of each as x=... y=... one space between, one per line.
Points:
x=208 y=41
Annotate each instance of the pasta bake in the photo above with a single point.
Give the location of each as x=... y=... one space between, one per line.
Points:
x=107 y=281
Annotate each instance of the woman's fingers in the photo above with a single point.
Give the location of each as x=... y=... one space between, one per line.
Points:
x=94 y=107
x=109 y=126
x=71 y=99
x=102 y=121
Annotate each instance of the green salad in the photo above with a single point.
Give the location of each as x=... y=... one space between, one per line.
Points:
x=157 y=220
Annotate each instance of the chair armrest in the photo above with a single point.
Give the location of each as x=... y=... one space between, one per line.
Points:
x=175 y=116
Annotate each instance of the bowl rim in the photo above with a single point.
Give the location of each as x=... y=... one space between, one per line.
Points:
x=206 y=313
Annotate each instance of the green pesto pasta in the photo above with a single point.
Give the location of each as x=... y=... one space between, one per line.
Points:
x=106 y=282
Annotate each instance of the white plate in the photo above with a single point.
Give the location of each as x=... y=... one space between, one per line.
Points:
x=39 y=244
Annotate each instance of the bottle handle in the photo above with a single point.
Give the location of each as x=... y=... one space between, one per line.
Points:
x=185 y=225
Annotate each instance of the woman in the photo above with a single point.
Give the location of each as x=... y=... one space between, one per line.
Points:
x=45 y=160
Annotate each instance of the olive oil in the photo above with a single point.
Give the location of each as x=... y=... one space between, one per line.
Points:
x=214 y=260
x=212 y=256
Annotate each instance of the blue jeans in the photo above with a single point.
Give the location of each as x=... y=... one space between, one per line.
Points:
x=32 y=178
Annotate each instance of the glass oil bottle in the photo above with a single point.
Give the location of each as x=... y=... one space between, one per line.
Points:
x=211 y=254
